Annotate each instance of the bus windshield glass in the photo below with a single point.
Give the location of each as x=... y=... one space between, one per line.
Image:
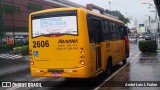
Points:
x=54 y=25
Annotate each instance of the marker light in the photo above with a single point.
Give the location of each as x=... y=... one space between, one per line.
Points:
x=39 y=70
x=82 y=62
x=72 y=70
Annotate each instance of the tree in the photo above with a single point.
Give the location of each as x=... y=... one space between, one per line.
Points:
x=118 y=14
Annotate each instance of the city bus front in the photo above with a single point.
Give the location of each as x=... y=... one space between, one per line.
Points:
x=59 y=43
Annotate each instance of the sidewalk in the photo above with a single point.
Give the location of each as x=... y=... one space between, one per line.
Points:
x=145 y=67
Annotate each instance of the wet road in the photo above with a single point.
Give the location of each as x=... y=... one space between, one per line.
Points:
x=14 y=68
x=143 y=70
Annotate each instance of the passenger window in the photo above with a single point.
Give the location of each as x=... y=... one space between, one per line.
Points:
x=106 y=31
x=95 y=29
x=119 y=32
x=90 y=30
x=114 y=31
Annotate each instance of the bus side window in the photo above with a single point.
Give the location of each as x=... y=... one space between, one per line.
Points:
x=97 y=28
x=114 y=31
x=106 y=31
x=110 y=28
x=90 y=29
x=119 y=32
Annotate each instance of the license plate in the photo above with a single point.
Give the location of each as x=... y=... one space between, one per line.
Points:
x=56 y=74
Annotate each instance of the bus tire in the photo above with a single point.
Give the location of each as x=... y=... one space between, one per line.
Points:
x=109 y=67
x=124 y=61
x=127 y=54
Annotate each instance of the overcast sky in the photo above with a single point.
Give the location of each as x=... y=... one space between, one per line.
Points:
x=134 y=8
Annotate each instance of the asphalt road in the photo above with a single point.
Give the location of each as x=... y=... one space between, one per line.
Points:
x=13 y=68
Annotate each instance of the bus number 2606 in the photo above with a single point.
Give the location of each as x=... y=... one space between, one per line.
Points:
x=40 y=44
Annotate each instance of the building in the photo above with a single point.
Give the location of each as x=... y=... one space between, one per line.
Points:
x=133 y=31
x=65 y=3
x=14 y=14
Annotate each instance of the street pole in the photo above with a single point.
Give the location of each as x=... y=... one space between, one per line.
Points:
x=149 y=23
x=110 y=8
x=2 y=31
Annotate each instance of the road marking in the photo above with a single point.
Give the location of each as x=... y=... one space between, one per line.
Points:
x=13 y=68
x=115 y=73
x=137 y=55
x=110 y=77
x=10 y=56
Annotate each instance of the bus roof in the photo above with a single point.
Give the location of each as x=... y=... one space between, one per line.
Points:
x=104 y=16
x=87 y=11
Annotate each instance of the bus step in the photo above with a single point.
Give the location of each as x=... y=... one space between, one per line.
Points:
x=99 y=72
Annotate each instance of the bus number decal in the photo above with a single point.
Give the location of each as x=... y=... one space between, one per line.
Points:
x=40 y=44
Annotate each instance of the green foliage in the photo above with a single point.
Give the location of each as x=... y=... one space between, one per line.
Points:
x=11 y=9
x=5 y=48
x=119 y=15
x=19 y=44
x=25 y=50
x=147 y=46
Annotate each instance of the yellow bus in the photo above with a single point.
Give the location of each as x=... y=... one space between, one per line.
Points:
x=75 y=43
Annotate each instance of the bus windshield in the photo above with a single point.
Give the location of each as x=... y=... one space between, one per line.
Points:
x=54 y=25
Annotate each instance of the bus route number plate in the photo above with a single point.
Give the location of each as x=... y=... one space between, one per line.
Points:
x=56 y=74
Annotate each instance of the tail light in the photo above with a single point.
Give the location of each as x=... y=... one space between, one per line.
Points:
x=32 y=63
x=72 y=70
x=39 y=71
x=82 y=62
x=82 y=52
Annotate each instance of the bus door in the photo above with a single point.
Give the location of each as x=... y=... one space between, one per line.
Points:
x=97 y=40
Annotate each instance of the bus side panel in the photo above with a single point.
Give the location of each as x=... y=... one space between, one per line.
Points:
x=104 y=55
x=107 y=48
x=85 y=44
x=93 y=57
x=121 y=49
x=114 y=53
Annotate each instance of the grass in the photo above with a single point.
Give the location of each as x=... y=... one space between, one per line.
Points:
x=18 y=48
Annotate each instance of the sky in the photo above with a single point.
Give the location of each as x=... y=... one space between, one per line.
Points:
x=134 y=9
